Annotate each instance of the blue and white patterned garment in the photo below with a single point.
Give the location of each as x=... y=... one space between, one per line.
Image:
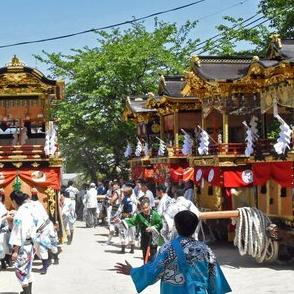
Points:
x=201 y=266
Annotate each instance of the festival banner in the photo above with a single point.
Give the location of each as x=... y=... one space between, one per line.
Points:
x=237 y=177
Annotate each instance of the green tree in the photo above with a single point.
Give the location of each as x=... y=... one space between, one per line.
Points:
x=281 y=14
x=124 y=63
x=274 y=16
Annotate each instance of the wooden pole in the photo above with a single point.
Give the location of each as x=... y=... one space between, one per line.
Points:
x=219 y=214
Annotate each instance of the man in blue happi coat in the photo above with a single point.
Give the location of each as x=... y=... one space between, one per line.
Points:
x=184 y=265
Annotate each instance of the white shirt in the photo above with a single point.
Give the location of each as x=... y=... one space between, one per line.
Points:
x=3 y=209
x=175 y=206
x=23 y=225
x=72 y=192
x=39 y=213
x=163 y=204
x=91 y=198
x=150 y=196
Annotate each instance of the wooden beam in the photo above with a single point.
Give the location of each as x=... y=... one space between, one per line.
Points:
x=219 y=214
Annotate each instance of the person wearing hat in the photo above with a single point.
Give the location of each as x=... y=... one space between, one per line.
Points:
x=184 y=265
x=91 y=204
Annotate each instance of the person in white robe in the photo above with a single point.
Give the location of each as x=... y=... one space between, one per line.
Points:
x=177 y=204
x=164 y=199
x=46 y=238
x=68 y=215
x=22 y=238
x=5 y=254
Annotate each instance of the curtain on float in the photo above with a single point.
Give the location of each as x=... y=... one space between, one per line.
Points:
x=281 y=172
x=45 y=177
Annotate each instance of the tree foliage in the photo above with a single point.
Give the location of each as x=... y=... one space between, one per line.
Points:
x=124 y=63
x=281 y=14
x=128 y=63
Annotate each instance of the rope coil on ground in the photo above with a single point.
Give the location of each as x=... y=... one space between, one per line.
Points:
x=251 y=235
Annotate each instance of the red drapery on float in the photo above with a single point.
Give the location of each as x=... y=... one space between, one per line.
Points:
x=281 y=172
x=177 y=172
x=44 y=177
x=137 y=172
x=234 y=177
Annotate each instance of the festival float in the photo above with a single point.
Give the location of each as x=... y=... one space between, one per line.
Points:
x=29 y=155
x=235 y=117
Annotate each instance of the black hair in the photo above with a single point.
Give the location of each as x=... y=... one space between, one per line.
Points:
x=2 y=196
x=161 y=188
x=179 y=193
x=70 y=183
x=144 y=200
x=19 y=197
x=66 y=194
x=186 y=222
x=131 y=184
x=35 y=197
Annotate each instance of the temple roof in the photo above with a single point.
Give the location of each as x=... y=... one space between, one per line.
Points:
x=288 y=50
x=171 y=85
x=216 y=68
x=139 y=105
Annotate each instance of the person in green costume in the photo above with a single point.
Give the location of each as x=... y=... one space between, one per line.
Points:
x=149 y=222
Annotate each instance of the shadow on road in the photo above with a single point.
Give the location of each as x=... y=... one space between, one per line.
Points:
x=8 y=292
x=113 y=251
x=228 y=256
x=103 y=235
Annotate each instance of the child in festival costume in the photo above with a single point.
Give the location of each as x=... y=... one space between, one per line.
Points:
x=126 y=210
x=184 y=265
x=149 y=222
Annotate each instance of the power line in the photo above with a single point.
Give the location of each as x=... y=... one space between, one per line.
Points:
x=222 y=10
x=104 y=27
x=224 y=34
x=232 y=38
x=234 y=26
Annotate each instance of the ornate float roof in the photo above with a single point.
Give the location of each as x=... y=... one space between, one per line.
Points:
x=17 y=79
x=171 y=85
x=244 y=81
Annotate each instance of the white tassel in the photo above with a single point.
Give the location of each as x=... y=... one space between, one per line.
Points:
x=128 y=151
x=139 y=148
x=284 y=139
x=188 y=143
x=204 y=143
x=162 y=148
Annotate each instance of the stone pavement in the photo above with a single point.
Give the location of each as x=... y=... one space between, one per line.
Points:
x=87 y=267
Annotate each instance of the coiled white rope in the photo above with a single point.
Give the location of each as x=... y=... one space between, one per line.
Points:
x=251 y=235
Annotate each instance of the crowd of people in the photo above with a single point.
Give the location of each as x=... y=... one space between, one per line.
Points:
x=136 y=212
x=28 y=233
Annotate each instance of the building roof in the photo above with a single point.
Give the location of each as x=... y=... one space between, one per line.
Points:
x=138 y=105
x=216 y=68
x=171 y=85
x=288 y=50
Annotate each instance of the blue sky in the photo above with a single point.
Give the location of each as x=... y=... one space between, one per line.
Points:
x=31 y=19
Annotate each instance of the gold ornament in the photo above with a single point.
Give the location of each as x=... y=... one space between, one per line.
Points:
x=51 y=200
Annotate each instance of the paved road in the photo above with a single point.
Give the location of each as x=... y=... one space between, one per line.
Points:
x=86 y=267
